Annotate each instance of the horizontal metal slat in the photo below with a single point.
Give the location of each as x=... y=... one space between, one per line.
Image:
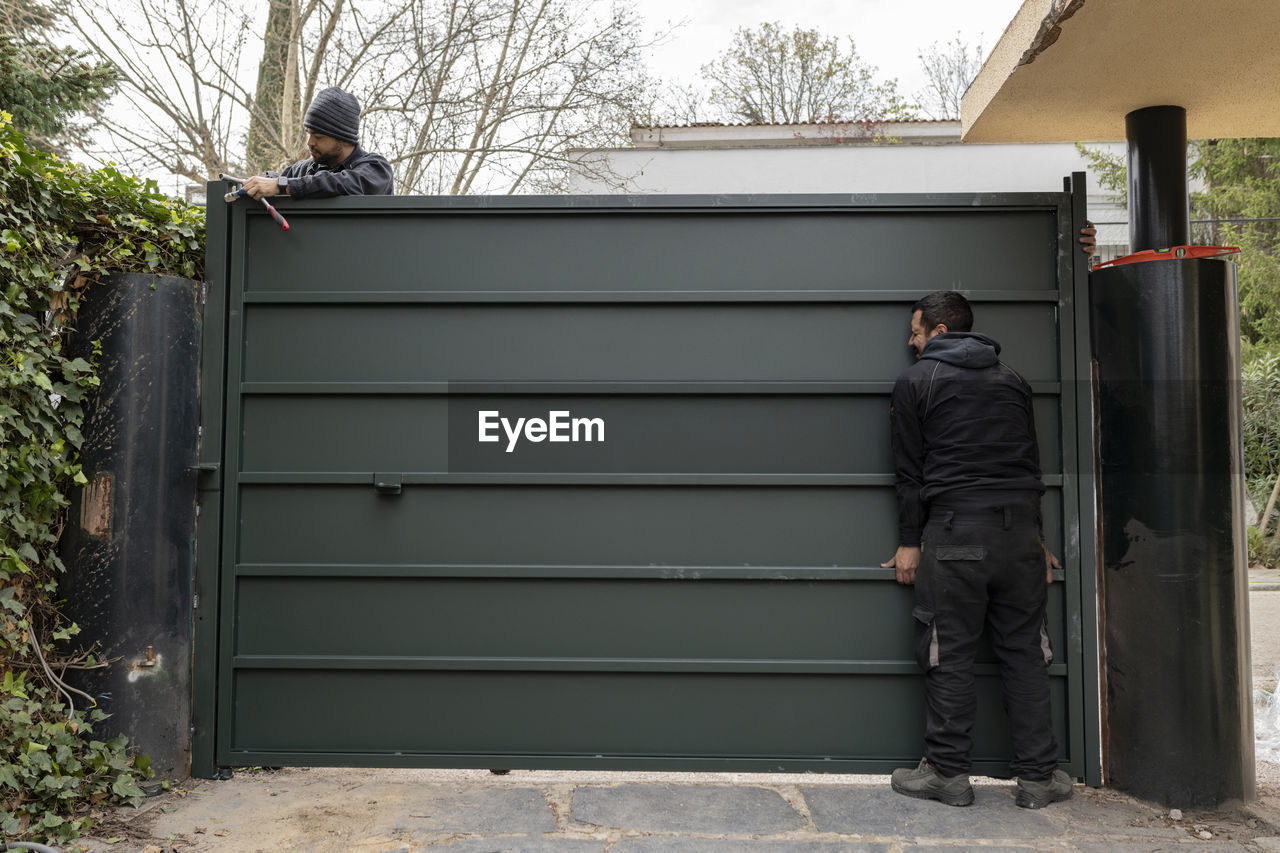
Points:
x=600 y=388
x=259 y=388
x=852 y=205
x=543 y=572
x=432 y=478
x=425 y=570
x=385 y=297
x=589 y=761
x=512 y=664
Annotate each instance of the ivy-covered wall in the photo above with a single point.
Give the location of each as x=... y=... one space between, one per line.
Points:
x=62 y=229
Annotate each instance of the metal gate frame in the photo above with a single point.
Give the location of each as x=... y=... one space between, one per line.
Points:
x=218 y=485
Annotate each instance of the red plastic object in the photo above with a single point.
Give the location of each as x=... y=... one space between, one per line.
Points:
x=1175 y=252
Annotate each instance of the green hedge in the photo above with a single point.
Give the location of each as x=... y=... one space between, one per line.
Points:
x=62 y=228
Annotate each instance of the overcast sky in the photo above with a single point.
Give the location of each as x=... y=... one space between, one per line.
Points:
x=888 y=33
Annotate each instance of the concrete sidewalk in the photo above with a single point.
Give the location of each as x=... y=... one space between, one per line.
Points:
x=467 y=811
x=1264 y=580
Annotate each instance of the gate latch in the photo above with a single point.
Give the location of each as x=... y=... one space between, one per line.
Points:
x=208 y=476
x=387 y=484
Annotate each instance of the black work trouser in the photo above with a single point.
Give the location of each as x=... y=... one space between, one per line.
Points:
x=984 y=567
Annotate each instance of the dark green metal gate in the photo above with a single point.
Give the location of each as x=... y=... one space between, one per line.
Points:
x=679 y=568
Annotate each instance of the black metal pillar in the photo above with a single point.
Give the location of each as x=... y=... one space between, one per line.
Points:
x=1158 y=201
x=1178 y=724
x=129 y=544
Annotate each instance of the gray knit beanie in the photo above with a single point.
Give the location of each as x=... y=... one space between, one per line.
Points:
x=335 y=113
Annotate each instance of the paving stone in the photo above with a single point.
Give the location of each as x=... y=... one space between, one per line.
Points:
x=879 y=811
x=705 y=845
x=525 y=844
x=471 y=811
x=964 y=847
x=707 y=809
x=1170 y=846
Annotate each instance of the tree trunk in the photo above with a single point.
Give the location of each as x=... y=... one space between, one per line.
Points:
x=1266 y=513
x=266 y=143
x=290 y=120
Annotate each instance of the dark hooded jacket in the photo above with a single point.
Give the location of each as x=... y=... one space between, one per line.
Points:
x=963 y=431
x=361 y=173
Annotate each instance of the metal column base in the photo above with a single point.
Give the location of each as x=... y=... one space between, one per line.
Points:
x=1178 y=719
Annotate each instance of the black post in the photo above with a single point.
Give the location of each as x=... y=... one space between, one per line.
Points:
x=128 y=546
x=1159 y=216
x=1178 y=723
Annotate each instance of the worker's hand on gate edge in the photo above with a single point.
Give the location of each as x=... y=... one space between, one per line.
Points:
x=905 y=561
x=260 y=187
x=1089 y=238
x=1050 y=563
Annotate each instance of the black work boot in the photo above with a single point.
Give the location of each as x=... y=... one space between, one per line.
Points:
x=926 y=783
x=1034 y=794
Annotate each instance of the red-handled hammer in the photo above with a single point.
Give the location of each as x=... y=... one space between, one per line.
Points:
x=232 y=196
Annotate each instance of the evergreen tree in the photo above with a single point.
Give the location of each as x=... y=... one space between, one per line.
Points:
x=1241 y=202
x=43 y=85
x=1240 y=206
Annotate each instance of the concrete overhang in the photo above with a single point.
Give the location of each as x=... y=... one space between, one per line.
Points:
x=1070 y=70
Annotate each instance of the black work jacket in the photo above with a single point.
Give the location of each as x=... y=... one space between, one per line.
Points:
x=962 y=425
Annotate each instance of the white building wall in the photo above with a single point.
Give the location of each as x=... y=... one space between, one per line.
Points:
x=1029 y=167
x=862 y=168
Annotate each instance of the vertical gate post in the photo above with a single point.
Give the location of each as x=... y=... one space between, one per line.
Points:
x=1178 y=720
x=128 y=546
x=1178 y=725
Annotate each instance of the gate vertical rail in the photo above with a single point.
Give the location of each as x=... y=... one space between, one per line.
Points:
x=213 y=380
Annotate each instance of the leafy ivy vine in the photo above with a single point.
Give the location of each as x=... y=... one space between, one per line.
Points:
x=63 y=228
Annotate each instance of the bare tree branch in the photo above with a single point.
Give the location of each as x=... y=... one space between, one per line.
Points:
x=772 y=76
x=462 y=95
x=949 y=69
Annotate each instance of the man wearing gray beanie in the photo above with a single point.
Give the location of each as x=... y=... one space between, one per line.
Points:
x=338 y=165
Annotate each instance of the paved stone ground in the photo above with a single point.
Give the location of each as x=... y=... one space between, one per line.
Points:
x=1263 y=580
x=324 y=811
x=310 y=810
